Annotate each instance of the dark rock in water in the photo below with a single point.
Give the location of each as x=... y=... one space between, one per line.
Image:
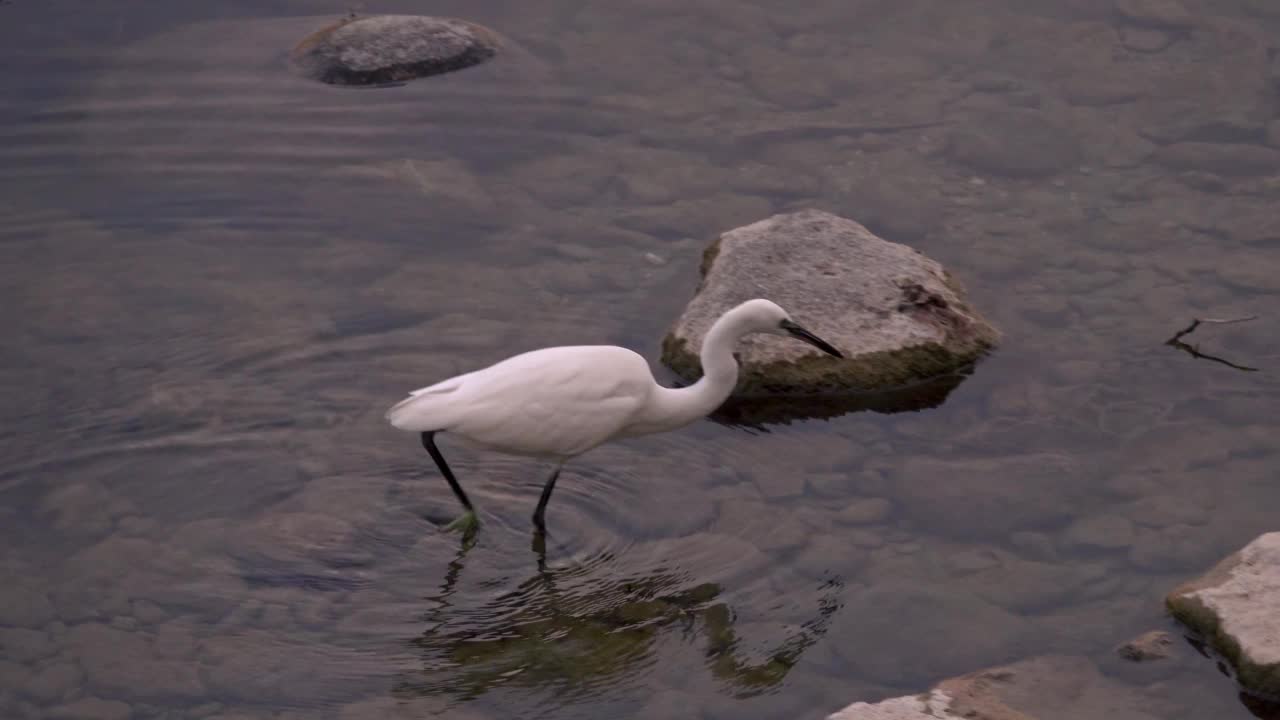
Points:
x=1154 y=645
x=386 y=49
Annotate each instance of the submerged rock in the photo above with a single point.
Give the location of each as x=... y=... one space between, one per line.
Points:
x=385 y=49
x=1100 y=532
x=898 y=316
x=1154 y=645
x=976 y=502
x=297 y=541
x=1236 y=608
x=1144 y=39
x=935 y=630
x=1163 y=14
x=24 y=606
x=1013 y=143
x=92 y=708
x=1229 y=159
x=124 y=663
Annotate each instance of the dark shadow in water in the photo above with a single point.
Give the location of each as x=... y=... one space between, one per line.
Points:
x=578 y=631
x=1260 y=706
x=315 y=582
x=756 y=412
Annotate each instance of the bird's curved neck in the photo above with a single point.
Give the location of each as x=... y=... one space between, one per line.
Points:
x=682 y=406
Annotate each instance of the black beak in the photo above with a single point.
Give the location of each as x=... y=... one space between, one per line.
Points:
x=800 y=333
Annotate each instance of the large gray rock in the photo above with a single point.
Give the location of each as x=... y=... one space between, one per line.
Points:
x=898 y=316
x=1053 y=687
x=1236 y=607
x=384 y=49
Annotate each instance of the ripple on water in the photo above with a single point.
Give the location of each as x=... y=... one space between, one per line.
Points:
x=611 y=594
x=510 y=612
x=235 y=110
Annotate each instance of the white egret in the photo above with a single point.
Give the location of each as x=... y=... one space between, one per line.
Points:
x=560 y=402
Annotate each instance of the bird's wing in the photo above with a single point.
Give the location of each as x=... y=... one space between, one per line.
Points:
x=554 y=402
x=427 y=409
x=444 y=386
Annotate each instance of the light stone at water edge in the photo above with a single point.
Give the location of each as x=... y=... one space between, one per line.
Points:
x=1236 y=607
x=1051 y=687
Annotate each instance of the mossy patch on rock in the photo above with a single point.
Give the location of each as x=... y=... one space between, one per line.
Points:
x=1235 y=607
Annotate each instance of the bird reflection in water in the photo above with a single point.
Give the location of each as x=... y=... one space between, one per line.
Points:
x=570 y=631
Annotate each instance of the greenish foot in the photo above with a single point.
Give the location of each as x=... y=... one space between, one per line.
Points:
x=466 y=523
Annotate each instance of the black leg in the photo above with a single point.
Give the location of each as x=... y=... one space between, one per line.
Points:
x=428 y=442
x=538 y=514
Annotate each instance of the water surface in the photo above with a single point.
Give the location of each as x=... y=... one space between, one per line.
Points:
x=218 y=275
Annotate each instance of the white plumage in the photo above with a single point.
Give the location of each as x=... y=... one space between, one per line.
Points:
x=554 y=403
x=560 y=402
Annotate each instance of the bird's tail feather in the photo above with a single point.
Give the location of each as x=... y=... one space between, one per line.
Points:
x=419 y=413
x=427 y=409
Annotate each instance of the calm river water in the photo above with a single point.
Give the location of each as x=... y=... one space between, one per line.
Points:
x=217 y=276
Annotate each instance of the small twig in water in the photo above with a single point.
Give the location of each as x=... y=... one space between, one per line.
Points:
x=1194 y=350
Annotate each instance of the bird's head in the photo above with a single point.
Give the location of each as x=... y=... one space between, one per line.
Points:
x=766 y=316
